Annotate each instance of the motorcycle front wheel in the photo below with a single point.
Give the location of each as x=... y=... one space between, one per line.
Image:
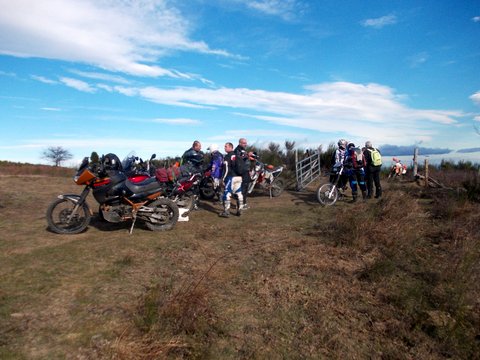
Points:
x=277 y=187
x=61 y=221
x=164 y=215
x=207 y=191
x=186 y=201
x=327 y=194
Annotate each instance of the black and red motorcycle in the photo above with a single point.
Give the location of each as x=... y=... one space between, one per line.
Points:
x=120 y=200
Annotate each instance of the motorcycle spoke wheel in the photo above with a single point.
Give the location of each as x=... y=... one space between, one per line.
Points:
x=186 y=201
x=61 y=221
x=207 y=190
x=277 y=187
x=327 y=194
x=164 y=215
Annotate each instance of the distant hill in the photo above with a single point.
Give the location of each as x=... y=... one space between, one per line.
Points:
x=13 y=168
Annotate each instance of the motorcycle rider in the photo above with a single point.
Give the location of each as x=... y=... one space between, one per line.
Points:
x=372 y=172
x=192 y=161
x=232 y=181
x=244 y=170
x=355 y=165
x=216 y=164
x=193 y=157
x=338 y=160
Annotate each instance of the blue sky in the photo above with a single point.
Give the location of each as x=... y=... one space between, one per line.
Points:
x=154 y=75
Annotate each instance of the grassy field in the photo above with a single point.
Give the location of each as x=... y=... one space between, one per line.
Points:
x=391 y=279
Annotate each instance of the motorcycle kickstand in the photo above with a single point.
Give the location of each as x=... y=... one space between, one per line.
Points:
x=134 y=218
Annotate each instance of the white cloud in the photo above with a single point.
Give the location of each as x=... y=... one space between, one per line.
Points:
x=77 y=84
x=476 y=19
x=358 y=109
x=101 y=76
x=418 y=59
x=51 y=109
x=177 y=121
x=380 y=22
x=476 y=98
x=125 y=36
x=44 y=79
x=286 y=9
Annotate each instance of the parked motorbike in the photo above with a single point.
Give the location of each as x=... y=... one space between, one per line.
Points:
x=267 y=178
x=328 y=194
x=120 y=200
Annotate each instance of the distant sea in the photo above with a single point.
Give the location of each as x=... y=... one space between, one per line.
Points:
x=435 y=159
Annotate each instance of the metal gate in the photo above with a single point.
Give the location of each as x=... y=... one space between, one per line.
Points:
x=307 y=169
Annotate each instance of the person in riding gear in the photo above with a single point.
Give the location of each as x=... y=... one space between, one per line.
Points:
x=372 y=172
x=216 y=164
x=232 y=181
x=355 y=166
x=193 y=157
x=338 y=160
x=241 y=153
x=192 y=162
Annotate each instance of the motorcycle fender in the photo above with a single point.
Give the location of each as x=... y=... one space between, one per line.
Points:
x=74 y=199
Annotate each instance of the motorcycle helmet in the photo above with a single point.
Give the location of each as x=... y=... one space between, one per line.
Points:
x=112 y=162
x=350 y=145
x=212 y=148
x=342 y=143
x=395 y=159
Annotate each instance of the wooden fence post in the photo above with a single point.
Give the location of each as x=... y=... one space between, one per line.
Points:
x=415 y=162
x=426 y=172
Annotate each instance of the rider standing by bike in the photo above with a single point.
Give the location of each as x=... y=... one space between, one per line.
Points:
x=244 y=170
x=355 y=165
x=372 y=170
x=232 y=181
x=338 y=160
x=216 y=164
x=192 y=160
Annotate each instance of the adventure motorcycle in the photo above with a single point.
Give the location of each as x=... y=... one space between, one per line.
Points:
x=267 y=178
x=120 y=200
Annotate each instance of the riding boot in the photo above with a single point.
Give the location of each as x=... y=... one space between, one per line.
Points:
x=378 y=193
x=364 y=195
x=226 y=210
x=354 y=198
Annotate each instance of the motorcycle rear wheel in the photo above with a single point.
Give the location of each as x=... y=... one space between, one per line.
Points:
x=277 y=187
x=327 y=194
x=58 y=213
x=164 y=216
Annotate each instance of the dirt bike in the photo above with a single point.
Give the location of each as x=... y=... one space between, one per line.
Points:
x=328 y=194
x=397 y=173
x=267 y=178
x=120 y=200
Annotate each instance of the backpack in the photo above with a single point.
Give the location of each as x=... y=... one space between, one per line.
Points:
x=376 y=157
x=357 y=158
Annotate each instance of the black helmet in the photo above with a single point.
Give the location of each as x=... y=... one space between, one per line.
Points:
x=112 y=162
x=350 y=145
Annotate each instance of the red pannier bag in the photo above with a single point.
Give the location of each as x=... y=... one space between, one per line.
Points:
x=161 y=175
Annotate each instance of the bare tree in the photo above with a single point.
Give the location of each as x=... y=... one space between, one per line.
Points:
x=56 y=154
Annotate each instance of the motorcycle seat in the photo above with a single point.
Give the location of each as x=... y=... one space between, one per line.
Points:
x=144 y=186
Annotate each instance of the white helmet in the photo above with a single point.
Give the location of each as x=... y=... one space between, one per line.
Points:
x=213 y=147
x=342 y=143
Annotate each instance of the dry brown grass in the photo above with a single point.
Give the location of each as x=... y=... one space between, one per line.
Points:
x=389 y=279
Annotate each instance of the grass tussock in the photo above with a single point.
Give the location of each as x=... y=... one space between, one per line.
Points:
x=169 y=323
